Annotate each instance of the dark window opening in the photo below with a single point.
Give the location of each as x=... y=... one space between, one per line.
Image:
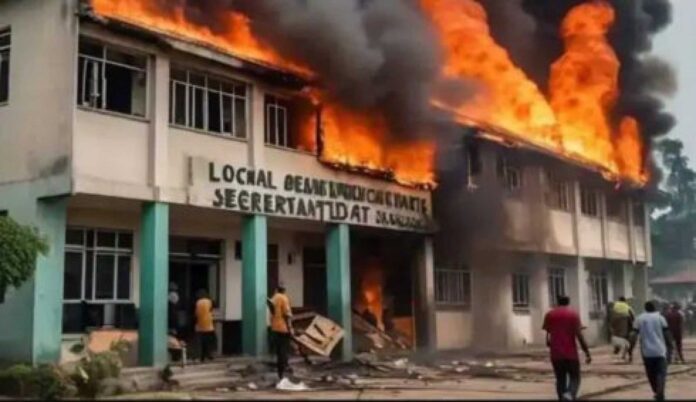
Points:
x=589 y=202
x=5 y=42
x=616 y=207
x=290 y=123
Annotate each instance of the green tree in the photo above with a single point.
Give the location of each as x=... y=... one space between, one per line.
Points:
x=680 y=180
x=19 y=247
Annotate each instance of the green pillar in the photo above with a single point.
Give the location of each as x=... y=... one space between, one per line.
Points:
x=48 y=282
x=154 y=279
x=338 y=283
x=254 y=283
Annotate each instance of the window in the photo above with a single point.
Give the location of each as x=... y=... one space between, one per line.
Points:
x=109 y=79
x=616 y=208
x=97 y=265
x=205 y=103
x=453 y=287
x=510 y=175
x=520 y=291
x=557 y=285
x=599 y=291
x=638 y=214
x=277 y=122
x=473 y=164
x=5 y=42
x=589 y=202
x=559 y=195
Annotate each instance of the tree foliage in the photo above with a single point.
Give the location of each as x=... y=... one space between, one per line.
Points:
x=19 y=247
x=680 y=180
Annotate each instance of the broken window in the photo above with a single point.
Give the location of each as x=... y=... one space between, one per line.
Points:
x=589 y=201
x=453 y=287
x=520 y=291
x=473 y=164
x=5 y=42
x=557 y=286
x=559 y=194
x=97 y=265
x=111 y=79
x=206 y=103
x=509 y=174
x=616 y=208
x=599 y=291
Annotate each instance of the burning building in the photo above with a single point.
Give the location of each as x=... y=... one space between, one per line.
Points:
x=232 y=145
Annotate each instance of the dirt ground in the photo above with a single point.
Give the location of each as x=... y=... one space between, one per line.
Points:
x=521 y=376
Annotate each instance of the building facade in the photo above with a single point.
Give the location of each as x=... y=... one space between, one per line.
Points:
x=147 y=160
x=523 y=228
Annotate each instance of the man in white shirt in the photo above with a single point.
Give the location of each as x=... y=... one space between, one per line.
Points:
x=655 y=346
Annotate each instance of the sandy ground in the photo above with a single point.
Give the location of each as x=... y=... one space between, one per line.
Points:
x=605 y=378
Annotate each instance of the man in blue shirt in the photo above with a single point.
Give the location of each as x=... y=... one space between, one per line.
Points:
x=655 y=346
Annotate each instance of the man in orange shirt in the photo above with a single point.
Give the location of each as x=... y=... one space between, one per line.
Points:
x=281 y=327
x=205 y=331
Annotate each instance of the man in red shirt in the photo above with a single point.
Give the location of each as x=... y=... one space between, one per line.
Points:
x=563 y=327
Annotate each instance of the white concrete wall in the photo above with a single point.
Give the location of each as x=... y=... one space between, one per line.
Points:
x=454 y=329
x=561 y=238
x=618 y=244
x=36 y=123
x=590 y=233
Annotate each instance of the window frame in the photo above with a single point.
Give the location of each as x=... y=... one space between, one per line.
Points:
x=613 y=201
x=558 y=283
x=6 y=32
x=599 y=293
x=102 y=62
x=638 y=211
x=510 y=175
x=278 y=103
x=190 y=89
x=521 y=301
x=94 y=250
x=474 y=164
x=587 y=209
x=559 y=194
x=459 y=286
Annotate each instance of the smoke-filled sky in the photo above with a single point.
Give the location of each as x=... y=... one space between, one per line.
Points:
x=676 y=45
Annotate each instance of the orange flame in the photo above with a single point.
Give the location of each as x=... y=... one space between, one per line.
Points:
x=574 y=121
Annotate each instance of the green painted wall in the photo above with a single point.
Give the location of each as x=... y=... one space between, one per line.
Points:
x=32 y=314
x=154 y=279
x=338 y=283
x=254 y=283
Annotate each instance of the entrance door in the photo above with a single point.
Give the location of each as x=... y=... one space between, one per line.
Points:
x=190 y=276
x=314 y=279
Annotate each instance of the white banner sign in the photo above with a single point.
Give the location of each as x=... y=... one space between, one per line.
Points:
x=286 y=194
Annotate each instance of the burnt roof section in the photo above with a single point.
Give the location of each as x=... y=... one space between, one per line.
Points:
x=269 y=73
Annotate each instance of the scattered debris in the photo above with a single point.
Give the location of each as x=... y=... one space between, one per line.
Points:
x=317 y=333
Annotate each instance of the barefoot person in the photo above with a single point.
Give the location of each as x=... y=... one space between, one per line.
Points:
x=655 y=346
x=563 y=328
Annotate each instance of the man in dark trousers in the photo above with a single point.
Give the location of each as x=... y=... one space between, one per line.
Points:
x=655 y=347
x=675 y=322
x=281 y=327
x=563 y=328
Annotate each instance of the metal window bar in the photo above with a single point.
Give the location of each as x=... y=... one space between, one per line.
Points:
x=452 y=286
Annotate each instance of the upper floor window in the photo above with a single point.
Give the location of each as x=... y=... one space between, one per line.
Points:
x=559 y=194
x=509 y=174
x=206 y=103
x=290 y=123
x=638 y=213
x=97 y=265
x=616 y=208
x=5 y=42
x=589 y=202
x=473 y=164
x=111 y=79
x=277 y=122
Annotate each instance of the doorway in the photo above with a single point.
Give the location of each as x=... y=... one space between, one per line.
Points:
x=314 y=279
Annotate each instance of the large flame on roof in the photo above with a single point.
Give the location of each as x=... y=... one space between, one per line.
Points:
x=574 y=120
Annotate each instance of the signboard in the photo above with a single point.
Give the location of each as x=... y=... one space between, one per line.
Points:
x=294 y=195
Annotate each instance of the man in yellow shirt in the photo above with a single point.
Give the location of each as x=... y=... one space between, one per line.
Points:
x=621 y=322
x=281 y=327
x=205 y=331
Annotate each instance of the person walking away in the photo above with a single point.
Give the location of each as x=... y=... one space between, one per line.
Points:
x=563 y=327
x=205 y=330
x=621 y=322
x=675 y=323
x=655 y=345
x=281 y=328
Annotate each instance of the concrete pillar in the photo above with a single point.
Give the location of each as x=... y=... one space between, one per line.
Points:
x=48 y=282
x=254 y=283
x=257 y=141
x=154 y=279
x=640 y=286
x=425 y=313
x=159 y=125
x=578 y=289
x=338 y=284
